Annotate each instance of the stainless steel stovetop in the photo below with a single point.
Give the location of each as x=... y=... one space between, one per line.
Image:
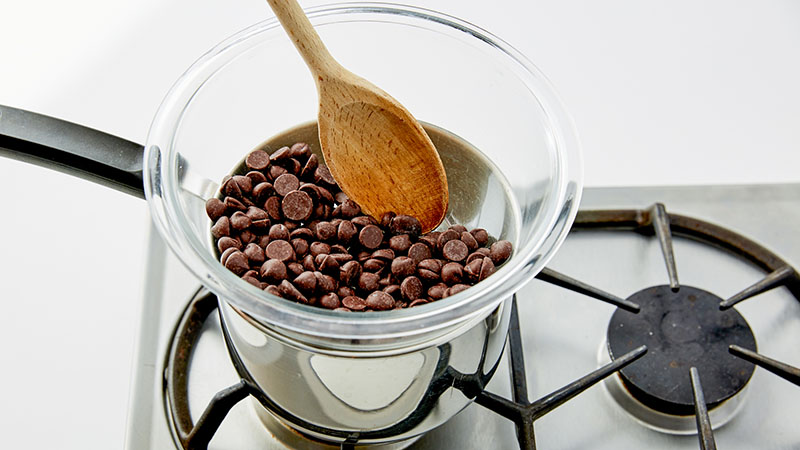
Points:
x=563 y=334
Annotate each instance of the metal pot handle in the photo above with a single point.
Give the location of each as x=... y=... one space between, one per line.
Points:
x=71 y=148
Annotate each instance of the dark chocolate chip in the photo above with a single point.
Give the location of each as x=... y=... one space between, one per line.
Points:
x=295 y=269
x=437 y=291
x=279 y=231
x=350 y=272
x=300 y=247
x=500 y=251
x=385 y=254
x=487 y=268
x=323 y=175
x=370 y=237
x=280 y=250
x=226 y=242
x=256 y=178
x=275 y=171
x=286 y=183
x=308 y=170
x=289 y=291
x=325 y=231
x=411 y=288
x=455 y=250
x=281 y=153
x=362 y=221
x=354 y=303
x=330 y=301
x=306 y=282
x=300 y=150
x=386 y=219
x=297 y=205
x=480 y=235
x=452 y=273
x=325 y=283
x=349 y=209
x=240 y=221
x=380 y=301
x=469 y=240
x=221 y=228
x=255 y=254
x=319 y=248
x=374 y=265
x=273 y=208
x=257 y=160
x=237 y=263
x=244 y=183
x=224 y=256
x=403 y=266
x=215 y=208
x=400 y=243
x=368 y=282
x=419 y=252
x=404 y=224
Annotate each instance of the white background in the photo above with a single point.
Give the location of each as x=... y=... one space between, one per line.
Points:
x=680 y=92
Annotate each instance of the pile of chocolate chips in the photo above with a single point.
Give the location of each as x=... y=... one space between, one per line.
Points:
x=286 y=227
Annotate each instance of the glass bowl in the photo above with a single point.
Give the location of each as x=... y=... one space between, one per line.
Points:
x=448 y=73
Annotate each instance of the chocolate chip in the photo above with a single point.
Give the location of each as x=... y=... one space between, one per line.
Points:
x=345 y=291
x=325 y=231
x=404 y=224
x=281 y=153
x=273 y=290
x=417 y=302
x=368 y=282
x=354 y=303
x=226 y=242
x=429 y=269
x=256 y=178
x=487 y=268
x=244 y=183
x=325 y=195
x=403 y=266
x=247 y=237
x=437 y=291
x=472 y=270
x=240 y=221
x=393 y=290
x=362 y=221
x=445 y=237
x=252 y=280
x=475 y=255
x=385 y=254
x=318 y=248
x=221 y=228
x=455 y=250
x=430 y=241
x=286 y=183
x=400 y=243
x=500 y=251
x=297 y=205
x=469 y=240
x=330 y=301
x=340 y=197
x=370 y=237
x=386 y=219
x=262 y=191
x=346 y=231
x=232 y=205
x=452 y=273
x=325 y=283
x=280 y=250
x=237 y=263
x=273 y=270
x=275 y=171
x=350 y=272
x=306 y=282
x=273 y=208
x=374 y=265
x=295 y=269
x=289 y=291
x=480 y=235
x=380 y=301
x=300 y=246
x=300 y=150
x=226 y=254
x=255 y=254
x=279 y=231
x=411 y=288
x=230 y=188
x=308 y=170
x=327 y=264
x=349 y=209
x=323 y=175
x=340 y=258
x=419 y=252
x=308 y=262
x=455 y=289
x=215 y=208
x=257 y=160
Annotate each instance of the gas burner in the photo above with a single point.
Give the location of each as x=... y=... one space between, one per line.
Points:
x=672 y=350
x=681 y=329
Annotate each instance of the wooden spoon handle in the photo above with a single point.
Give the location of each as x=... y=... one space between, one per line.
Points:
x=304 y=37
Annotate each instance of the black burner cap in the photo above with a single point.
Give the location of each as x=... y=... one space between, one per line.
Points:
x=681 y=330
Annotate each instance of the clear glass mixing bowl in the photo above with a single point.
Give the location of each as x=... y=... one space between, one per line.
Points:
x=447 y=72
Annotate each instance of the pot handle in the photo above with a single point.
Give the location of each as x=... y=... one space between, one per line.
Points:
x=73 y=149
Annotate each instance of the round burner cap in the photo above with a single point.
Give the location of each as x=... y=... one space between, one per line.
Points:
x=681 y=330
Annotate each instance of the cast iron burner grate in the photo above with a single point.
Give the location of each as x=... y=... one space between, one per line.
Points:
x=196 y=435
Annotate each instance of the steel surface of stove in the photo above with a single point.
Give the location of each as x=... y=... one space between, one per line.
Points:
x=559 y=332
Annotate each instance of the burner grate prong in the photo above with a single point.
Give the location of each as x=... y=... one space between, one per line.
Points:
x=557 y=398
x=561 y=280
x=776 y=278
x=783 y=370
x=661 y=225
x=704 y=432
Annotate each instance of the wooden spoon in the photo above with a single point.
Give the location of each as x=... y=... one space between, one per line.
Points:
x=377 y=152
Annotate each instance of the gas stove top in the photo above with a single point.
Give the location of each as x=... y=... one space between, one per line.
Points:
x=563 y=336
